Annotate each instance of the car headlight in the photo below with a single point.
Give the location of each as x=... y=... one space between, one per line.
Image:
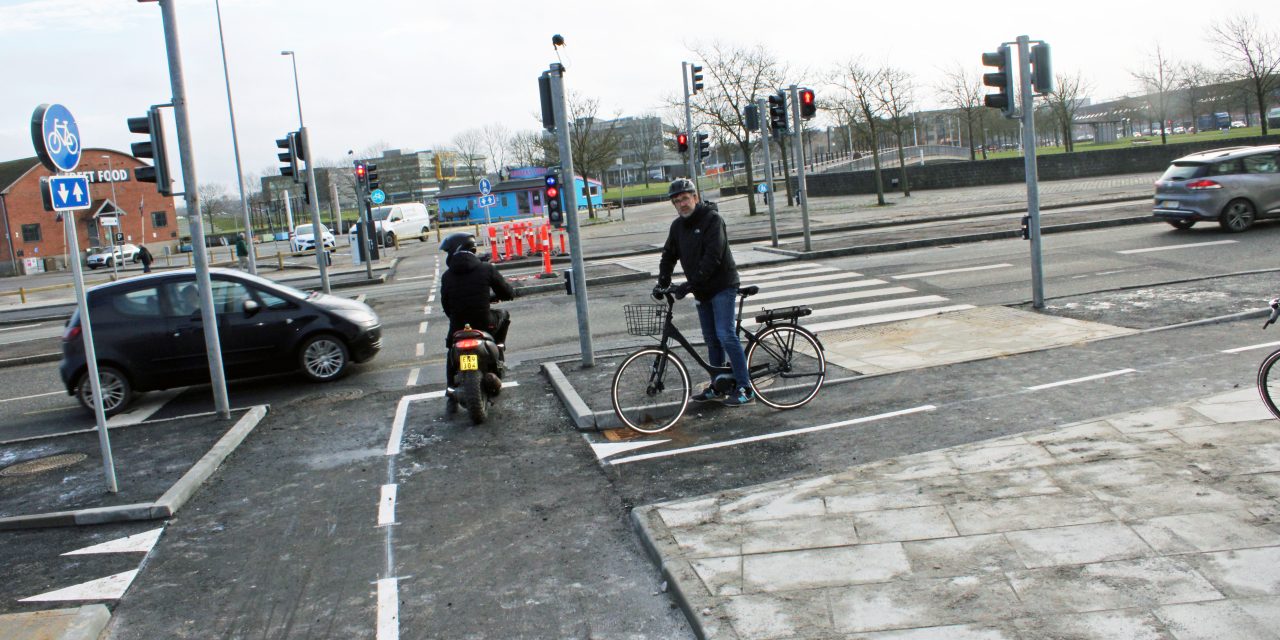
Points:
x=358 y=316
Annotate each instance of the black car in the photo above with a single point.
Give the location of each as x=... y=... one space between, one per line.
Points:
x=148 y=334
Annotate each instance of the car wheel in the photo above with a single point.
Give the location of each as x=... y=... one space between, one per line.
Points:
x=111 y=262
x=116 y=390
x=1237 y=216
x=1182 y=225
x=426 y=231
x=323 y=358
x=391 y=239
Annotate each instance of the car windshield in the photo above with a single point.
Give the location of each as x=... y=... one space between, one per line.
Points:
x=1179 y=171
x=381 y=213
x=305 y=230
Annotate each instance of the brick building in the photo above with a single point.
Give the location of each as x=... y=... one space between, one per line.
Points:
x=33 y=235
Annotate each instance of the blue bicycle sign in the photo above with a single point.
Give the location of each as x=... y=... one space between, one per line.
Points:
x=56 y=137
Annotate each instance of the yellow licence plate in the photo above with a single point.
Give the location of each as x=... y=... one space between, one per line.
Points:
x=468 y=363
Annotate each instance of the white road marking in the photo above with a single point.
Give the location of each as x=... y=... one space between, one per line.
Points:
x=786 y=267
x=136 y=543
x=38 y=395
x=771 y=436
x=605 y=449
x=426 y=310
x=828 y=277
x=388 y=609
x=1178 y=246
x=883 y=317
x=838 y=297
x=786 y=275
x=387 y=505
x=1118 y=372
x=413 y=377
x=1252 y=347
x=151 y=403
x=837 y=286
x=431 y=298
x=420 y=349
x=24 y=326
x=926 y=274
x=108 y=588
x=402 y=414
x=422 y=327
x=413 y=278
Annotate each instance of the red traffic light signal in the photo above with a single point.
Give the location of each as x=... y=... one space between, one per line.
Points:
x=682 y=142
x=553 y=192
x=808 y=104
x=360 y=172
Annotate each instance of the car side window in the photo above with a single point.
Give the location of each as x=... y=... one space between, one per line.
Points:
x=271 y=300
x=140 y=303
x=1225 y=168
x=184 y=299
x=1261 y=163
x=229 y=297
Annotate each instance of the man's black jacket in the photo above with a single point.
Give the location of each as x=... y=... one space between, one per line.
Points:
x=464 y=291
x=701 y=244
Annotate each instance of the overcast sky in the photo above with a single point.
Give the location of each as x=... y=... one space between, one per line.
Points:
x=412 y=74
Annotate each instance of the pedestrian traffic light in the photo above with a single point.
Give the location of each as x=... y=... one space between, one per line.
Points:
x=751 y=117
x=682 y=142
x=551 y=198
x=704 y=147
x=697 y=78
x=371 y=176
x=1002 y=80
x=778 y=112
x=808 y=104
x=362 y=174
x=152 y=126
x=1041 y=69
x=289 y=156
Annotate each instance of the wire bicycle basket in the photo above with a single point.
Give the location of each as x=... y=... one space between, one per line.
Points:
x=645 y=319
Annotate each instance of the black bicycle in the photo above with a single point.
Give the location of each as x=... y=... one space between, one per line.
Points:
x=651 y=388
x=1268 y=373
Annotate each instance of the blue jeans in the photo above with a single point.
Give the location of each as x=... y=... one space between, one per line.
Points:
x=717 y=319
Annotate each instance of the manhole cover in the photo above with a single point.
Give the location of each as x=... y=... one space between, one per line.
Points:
x=40 y=465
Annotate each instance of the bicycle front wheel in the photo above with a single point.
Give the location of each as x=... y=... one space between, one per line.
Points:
x=650 y=390
x=787 y=367
x=1269 y=382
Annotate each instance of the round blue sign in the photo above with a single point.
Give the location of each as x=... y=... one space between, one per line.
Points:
x=763 y=187
x=56 y=137
x=485 y=186
x=377 y=196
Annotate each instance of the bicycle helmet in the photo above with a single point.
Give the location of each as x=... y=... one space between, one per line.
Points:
x=460 y=241
x=679 y=186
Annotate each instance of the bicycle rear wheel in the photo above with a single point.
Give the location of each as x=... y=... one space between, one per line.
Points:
x=787 y=366
x=650 y=390
x=1269 y=382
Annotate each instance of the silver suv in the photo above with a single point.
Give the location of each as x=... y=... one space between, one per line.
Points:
x=1235 y=186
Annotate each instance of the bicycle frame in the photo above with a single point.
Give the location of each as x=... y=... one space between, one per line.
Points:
x=670 y=332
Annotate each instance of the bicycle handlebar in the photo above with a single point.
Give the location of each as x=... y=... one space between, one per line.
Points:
x=671 y=292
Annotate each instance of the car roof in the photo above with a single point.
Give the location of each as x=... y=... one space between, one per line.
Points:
x=162 y=276
x=1227 y=153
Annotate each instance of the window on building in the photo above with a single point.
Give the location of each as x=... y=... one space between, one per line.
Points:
x=504 y=201
x=595 y=190
x=159 y=219
x=31 y=232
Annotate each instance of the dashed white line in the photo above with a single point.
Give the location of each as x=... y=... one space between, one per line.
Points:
x=422 y=327
x=22 y=326
x=413 y=377
x=387 y=505
x=420 y=349
x=413 y=278
x=1177 y=246
x=1235 y=350
x=388 y=609
x=926 y=274
x=38 y=395
x=1118 y=372
x=426 y=310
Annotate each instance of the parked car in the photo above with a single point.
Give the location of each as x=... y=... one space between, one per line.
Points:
x=1238 y=124
x=1235 y=186
x=148 y=334
x=1179 y=129
x=106 y=257
x=304 y=239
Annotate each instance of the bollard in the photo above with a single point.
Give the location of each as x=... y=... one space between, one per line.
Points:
x=280 y=262
x=22 y=293
x=562 y=251
x=493 y=245
x=506 y=235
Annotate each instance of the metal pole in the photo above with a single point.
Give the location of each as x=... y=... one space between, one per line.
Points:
x=217 y=377
x=798 y=143
x=335 y=211
x=1033 y=179
x=762 y=107
x=561 y=110
x=317 y=226
x=296 y=90
x=115 y=272
x=688 y=127
x=235 y=146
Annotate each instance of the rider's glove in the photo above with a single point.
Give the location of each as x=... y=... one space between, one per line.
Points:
x=683 y=289
x=657 y=292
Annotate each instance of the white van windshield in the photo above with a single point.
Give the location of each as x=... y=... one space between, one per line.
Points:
x=381 y=213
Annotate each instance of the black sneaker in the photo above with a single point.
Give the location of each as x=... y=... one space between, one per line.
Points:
x=707 y=395
x=742 y=396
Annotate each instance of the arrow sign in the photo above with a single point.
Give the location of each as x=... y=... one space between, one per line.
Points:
x=69 y=193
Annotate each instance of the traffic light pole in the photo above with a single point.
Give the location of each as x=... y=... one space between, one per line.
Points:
x=762 y=106
x=186 y=152
x=317 y=227
x=1033 y=178
x=561 y=110
x=688 y=127
x=797 y=131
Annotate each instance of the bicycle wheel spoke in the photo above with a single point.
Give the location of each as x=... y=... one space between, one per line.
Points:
x=787 y=367
x=650 y=391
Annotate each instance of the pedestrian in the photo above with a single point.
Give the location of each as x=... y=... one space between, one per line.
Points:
x=699 y=241
x=242 y=252
x=145 y=257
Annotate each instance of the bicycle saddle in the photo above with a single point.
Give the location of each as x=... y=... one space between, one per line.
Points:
x=748 y=291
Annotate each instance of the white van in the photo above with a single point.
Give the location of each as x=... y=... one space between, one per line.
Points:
x=403 y=221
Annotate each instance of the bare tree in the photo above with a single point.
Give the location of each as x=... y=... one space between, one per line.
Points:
x=1159 y=78
x=735 y=77
x=1193 y=79
x=858 y=83
x=496 y=140
x=645 y=144
x=1064 y=102
x=962 y=91
x=528 y=148
x=593 y=142
x=894 y=92
x=1254 y=55
x=470 y=146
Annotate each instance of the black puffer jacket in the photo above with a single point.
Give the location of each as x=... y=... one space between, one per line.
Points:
x=464 y=291
x=701 y=244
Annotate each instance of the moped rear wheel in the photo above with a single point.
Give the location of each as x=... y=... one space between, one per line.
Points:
x=473 y=396
x=650 y=391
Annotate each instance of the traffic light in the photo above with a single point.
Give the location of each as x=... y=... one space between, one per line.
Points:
x=152 y=126
x=808 y=104
x=371 y=176
x=362 y=174
x=289 y=156
x=682 y=142
x=697 y=78
x=751 y=117
x=778 y=112
x=1041 y=69
x=1002 y=79
x=551 y=198
x=704 y=147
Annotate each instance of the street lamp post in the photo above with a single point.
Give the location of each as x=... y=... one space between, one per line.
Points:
x=296 y=90
x=235 y=146
x=115 y=208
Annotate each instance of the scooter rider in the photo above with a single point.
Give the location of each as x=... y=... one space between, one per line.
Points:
x=468 y=285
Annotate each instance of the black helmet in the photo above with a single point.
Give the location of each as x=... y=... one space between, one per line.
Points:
x=679 y=186
x=460 y=241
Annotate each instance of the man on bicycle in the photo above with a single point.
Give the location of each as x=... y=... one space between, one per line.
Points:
x=698 y=239
x=466 y=288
